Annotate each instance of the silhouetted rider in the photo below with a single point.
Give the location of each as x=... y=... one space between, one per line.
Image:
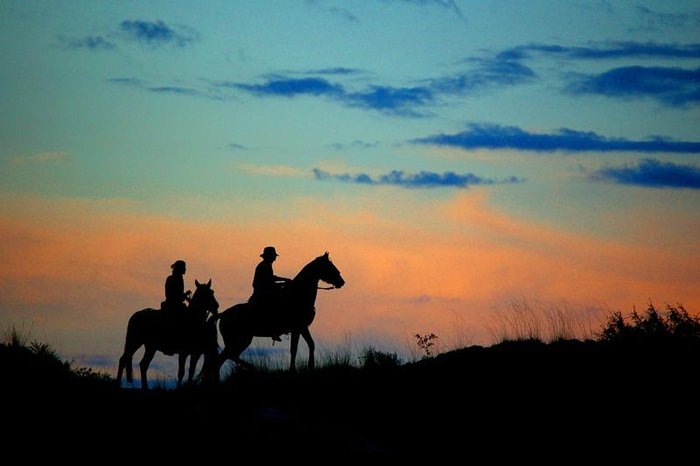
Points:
x=175 y=294
x=267 y=285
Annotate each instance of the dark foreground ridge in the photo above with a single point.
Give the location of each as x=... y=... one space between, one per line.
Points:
x=564 y=401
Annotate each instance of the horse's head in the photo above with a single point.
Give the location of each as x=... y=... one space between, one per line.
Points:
x=328 y=272
x=203 y=297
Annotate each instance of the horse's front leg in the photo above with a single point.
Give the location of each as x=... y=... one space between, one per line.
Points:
x=293 y=346
x=148 y=354
x=312 y=346
x=181 y=361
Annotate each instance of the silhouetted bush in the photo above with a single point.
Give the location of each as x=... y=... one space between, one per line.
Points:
x=32 y=363
x=652 y=326
x=375 y=359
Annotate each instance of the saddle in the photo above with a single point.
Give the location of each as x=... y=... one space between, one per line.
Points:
x=176 y=327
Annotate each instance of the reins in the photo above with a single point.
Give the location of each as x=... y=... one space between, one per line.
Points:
x=325 y=287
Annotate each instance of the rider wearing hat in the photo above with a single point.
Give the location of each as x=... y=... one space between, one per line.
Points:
x=175 y=307
x=175 y=294
x=266 y=284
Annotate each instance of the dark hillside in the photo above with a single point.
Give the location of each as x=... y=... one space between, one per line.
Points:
x=516 y=399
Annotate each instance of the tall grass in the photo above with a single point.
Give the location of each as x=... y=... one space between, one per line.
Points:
x=524 y=320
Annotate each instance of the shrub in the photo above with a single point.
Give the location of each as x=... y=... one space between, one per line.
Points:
x=677 y=325
x=375 y=359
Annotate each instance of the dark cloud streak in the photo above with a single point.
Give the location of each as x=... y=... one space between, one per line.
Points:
x=489 y=136
x=670 y=86
x=88 y=42
x=421 y=180
x=386 y=99
x=609 y=50
x=157 y=33
x=652 y=173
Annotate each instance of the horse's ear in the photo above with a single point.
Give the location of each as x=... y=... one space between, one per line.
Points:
x=196 y=282
x=326 y=255
x=209 y=283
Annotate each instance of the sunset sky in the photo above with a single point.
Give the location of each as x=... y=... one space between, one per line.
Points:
x=452 y=156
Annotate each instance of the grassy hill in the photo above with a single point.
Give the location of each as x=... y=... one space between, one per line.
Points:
x=631 y=393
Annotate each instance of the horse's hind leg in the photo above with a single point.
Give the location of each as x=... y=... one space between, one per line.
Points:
x=233 y=349
x=125 y=362
x=294 y=345
x=145 y=362
x=194 y=359
x=306 y=335
x=181 y=362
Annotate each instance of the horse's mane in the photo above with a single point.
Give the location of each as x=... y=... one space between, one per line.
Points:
x=308 y=267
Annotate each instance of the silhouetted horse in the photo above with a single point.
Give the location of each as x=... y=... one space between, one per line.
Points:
x=295 y=312
x=157 y=331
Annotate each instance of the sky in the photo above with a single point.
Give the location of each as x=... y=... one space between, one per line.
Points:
x=457 y=159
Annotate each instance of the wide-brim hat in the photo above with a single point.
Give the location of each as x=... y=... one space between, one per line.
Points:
x=269 y=251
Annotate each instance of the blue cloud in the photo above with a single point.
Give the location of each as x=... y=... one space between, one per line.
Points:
x=338 y=70
x=670 y=86
x=652 y=173
x=395 y=100
x=655 y=20
x=157 y=33
x=497 y=72
x=423 y=179
x=88 y=42
x=356 y=144
x=489 y=136
x=610 y=50
x=391 y=100
x=178 y=90
x=290 y=87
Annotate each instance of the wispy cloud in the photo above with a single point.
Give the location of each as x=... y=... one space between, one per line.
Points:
x=447 y=4
x=670 y=86
x=157 y=33
x=423 y=179
x=654 y=20
x=490 y=136
x=356 y=144
x=391 y=100
x=495 y=72
x=236 y=147
x=152 y=33
x=136 y=82
x=290 y=87
x=343 y=13
x=652 y=173
x=178 y=90
x=40 y=158
x=394 y=100
x=87 y=42
x=165 y=89
x=338 y=70
x=607 y=50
